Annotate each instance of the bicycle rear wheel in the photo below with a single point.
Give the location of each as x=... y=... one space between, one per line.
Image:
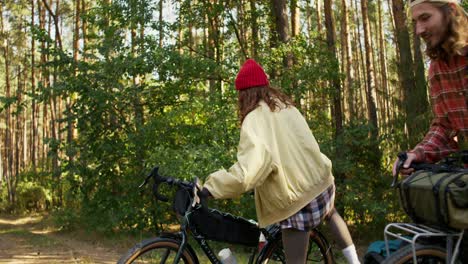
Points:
x=157 y=250
x=425 y=254
x=319 y=251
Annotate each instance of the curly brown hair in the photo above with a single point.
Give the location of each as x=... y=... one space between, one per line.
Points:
x=457 y=33
x=248 y=100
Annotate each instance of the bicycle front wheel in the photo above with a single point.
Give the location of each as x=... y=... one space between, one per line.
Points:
x=319 y=251
x=157 y=250
x=424 y=254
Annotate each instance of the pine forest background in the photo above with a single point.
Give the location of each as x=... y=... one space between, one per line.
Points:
x=95 y=93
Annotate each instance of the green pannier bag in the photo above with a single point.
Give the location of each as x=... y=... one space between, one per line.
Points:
x=436 y=198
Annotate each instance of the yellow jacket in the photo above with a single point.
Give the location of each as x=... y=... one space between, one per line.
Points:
x=278 y=157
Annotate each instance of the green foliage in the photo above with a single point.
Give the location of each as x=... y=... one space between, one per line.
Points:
x=67 y=219
x=354 y=173
x=32 y=197
x=4 y=204
x=178 y=117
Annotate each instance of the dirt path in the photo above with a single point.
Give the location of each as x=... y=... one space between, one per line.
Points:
x=32 y=239
x=28 y=240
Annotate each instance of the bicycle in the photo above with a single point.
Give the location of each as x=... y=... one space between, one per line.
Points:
x=174 y=247
x=425 y=244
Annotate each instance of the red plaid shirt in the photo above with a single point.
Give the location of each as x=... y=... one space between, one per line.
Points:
x=448 y=83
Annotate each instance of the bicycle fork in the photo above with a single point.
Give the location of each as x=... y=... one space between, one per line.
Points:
x=183 y=242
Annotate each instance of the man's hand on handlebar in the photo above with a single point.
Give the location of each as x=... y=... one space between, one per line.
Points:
x=405 y=169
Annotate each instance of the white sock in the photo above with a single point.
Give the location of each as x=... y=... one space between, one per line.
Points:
x=351 y=254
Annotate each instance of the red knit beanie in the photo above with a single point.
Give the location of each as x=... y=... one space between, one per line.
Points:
x=251 y=75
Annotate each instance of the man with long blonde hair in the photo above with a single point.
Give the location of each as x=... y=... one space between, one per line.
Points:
x=443 y=25
x=453 y=27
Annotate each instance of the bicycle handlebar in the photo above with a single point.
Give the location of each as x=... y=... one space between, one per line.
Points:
x=447 y=165
x=158 y=179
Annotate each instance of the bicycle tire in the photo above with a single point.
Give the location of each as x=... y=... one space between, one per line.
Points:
x=319 y=251
x=425 y=254
x=157 y=250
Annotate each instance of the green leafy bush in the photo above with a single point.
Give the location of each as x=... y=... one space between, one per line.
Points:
x=32 y=197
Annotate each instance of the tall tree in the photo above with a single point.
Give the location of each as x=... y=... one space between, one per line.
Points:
x=254 y=28
x=412 y=96
x=161 y=21
x=214 y=7
x=421 y=106
x=359 y=65
x=318 y=9
x=84 y=25
x=370 y=92
x=383 y=64
x=8 y=142
x=295 y=15
x=335 y=83
x=280 y=15
x=33 y=145
x=346 y=61
x=18 y=128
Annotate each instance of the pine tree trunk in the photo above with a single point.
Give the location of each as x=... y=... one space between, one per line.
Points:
x=214 y=43
x=54 y=113
x=281 y=19
x=161 y=21
x=8 y=143
x=335 y=83
x=241 y=31
x=383 y=68
x=318 y=9
x=308 y=9
x=282 y=26
x=370 y=92
x=421 y=106
x=18 y=141
x=360 y=66
x=295 y=15
x=33 y=145
x=405 y=67
x=254 y=27
x=347 y=62
x=84 y=26
x=137 y=81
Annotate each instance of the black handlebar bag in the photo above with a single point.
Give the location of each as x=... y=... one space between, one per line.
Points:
x=436 y=198
x=219 y=226
x=216 y=225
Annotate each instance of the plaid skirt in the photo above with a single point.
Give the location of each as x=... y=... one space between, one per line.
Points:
x=313 y=213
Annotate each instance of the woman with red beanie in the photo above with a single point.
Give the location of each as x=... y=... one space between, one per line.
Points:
x=280 y=159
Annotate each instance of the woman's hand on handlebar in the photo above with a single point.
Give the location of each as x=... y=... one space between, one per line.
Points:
x=405 y=169
x=196 y=190
x=204 y=193
x=200 y=194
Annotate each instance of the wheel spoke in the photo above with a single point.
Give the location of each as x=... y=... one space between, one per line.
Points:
x=165 y=256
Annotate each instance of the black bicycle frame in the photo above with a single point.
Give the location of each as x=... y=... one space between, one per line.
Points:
x=271 y=233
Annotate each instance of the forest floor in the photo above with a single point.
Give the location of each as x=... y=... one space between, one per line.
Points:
x=34 y=239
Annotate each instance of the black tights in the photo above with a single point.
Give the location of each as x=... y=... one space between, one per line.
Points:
x=339 y=229
x=296 y=242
